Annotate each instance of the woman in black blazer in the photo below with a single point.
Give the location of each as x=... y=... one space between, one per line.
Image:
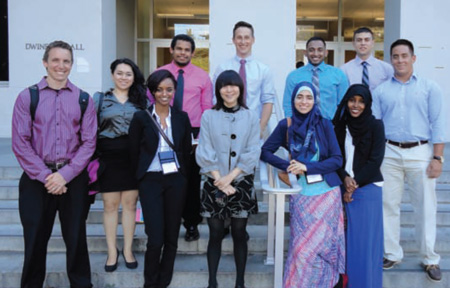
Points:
x=161 y=175
x=362 y=142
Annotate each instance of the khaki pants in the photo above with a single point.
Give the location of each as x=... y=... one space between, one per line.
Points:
x=409 y=164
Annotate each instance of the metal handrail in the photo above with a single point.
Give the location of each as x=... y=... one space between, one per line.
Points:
x=270 y=185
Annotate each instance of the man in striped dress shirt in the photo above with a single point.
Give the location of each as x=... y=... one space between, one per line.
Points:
x=53 y=148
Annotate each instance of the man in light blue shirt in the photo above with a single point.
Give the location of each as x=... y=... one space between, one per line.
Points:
x=411 y=108
x=332 y=82
x=259 y=86
x=377 y=71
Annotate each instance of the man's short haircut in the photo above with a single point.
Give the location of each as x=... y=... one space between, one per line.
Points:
x=316 y=38
x=403 y=42
x=299 y=64
x=182 y=37
x=362 y=30
x=243 y=24
x=57 y=44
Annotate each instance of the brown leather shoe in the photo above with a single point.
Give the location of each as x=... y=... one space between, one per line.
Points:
x=433 y=272
x=389 y=264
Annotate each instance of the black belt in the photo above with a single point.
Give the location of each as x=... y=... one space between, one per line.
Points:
x=407 y=144
x=55 y=166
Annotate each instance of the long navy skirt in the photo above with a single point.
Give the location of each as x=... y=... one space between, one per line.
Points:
x=365 y=238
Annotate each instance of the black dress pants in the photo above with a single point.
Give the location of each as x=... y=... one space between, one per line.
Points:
x=191 y=212
x=37 y=210
x=162 y=199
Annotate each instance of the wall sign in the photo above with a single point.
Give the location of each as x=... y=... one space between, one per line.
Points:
x=42 y=46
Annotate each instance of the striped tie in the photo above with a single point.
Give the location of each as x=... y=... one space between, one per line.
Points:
x=315 y=83
x=365 y=75
x=243 y=77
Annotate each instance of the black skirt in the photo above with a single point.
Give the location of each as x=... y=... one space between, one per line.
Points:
x=239 y=205
x=118 y=175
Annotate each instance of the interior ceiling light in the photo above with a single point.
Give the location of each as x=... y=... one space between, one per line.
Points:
x=174 y=15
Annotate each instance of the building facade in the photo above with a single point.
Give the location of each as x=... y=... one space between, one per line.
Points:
x=103 y=30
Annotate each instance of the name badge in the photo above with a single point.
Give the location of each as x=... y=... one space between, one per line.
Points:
x=315 y=178
x=169 y=162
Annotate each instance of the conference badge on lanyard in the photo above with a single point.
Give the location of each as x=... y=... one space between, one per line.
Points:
x=168 y=161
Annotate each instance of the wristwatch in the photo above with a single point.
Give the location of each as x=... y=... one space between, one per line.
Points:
x=439 y=158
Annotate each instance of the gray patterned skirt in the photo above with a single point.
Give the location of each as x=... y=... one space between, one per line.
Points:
x=239 y=205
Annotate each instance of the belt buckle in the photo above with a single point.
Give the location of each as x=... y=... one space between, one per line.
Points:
x=59 y=165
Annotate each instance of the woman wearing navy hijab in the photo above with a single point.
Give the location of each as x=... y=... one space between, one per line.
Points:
x=316 y=245
x=362 y=142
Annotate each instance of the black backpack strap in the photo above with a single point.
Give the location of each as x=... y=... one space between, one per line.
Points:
x=84 y=101
x=99 y=109
x=34 y=100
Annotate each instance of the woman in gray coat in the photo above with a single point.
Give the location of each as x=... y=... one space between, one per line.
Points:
x=227 y=154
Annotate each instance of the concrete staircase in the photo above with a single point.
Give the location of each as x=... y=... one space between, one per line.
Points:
x=191 y=267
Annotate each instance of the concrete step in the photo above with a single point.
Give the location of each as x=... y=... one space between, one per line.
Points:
x=10 y=172
x=11 y=239
x=9 y=191
x=191 y=271
x=9 y=214
x=410 y=274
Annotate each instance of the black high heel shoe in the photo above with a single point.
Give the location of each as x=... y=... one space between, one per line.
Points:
x=112 y=268
x=130 y=265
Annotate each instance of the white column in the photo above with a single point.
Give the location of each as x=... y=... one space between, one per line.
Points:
x=426 y=25
x=89 y=25
x=274 y=24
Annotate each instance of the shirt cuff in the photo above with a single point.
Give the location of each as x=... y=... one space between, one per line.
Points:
x=41 y=177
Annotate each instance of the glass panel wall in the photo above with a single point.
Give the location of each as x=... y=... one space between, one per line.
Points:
x=171 y=16
x=316 y=18
x=159 y=20
x=332 y=18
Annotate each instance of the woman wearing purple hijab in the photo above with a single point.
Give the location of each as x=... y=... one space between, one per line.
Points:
x=316 y=245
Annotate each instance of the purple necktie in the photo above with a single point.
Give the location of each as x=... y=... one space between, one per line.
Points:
x=243 y=77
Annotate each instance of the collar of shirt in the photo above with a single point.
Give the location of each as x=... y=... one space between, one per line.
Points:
x=174 y=68
x=369 y=60
x=168 y=119
x=248 y=59
x=322 y=66
x=44 y=84
x=412 y=78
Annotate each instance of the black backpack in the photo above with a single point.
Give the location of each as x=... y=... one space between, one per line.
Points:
x=34 y=101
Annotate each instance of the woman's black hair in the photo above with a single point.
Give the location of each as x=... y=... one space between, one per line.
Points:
x=229 y=77
x=156 y=78
x=137 y=93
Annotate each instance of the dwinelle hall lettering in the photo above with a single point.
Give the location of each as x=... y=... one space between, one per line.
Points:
x=42 y=46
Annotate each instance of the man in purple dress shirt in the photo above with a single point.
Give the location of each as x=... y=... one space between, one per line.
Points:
x=53 y=150
x=195 y=88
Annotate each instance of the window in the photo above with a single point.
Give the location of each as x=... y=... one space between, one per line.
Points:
x=4 y=71
x=159 y=20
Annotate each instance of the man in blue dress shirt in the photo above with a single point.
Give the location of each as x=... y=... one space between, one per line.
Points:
x=330 y=82
x=376 y=71
x=411 y=108
x=259 y=86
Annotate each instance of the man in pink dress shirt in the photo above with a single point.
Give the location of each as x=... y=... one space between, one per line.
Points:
x=53 y=149
x=196 y=98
